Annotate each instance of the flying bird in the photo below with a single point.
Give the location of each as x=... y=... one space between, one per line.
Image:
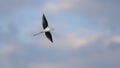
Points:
x=46 y=29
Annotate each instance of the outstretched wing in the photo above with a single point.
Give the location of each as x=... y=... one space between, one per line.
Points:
x=49 y=36
x=44 y=22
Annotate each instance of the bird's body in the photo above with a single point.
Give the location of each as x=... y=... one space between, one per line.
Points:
x=46 y=29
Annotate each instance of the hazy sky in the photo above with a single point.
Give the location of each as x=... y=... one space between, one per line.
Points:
x=87 y=34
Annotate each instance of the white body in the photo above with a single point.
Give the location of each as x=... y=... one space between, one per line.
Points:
x=46 y=30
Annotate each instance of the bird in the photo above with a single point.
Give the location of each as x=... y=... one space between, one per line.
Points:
x=46 y=29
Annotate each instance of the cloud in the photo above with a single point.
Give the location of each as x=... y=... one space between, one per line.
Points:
x=114 y=46
x=91 y=55
x=104 y=14
x=91 y=7
x=13 y=5
x=9 y=49
x=85 y=48
x=112 y=39
x=58 y=7
x=44 y=65
x=72 y=40
x=116 y=39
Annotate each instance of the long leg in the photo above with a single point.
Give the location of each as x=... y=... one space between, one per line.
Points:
x=37 y=34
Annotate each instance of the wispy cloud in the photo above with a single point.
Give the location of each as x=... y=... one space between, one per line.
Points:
x=88 y=34
x=96 y=11
x=14 y=5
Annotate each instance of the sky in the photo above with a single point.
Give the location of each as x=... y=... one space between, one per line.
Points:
x=86 y=34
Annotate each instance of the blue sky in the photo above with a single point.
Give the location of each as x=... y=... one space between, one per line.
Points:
x=86 y=34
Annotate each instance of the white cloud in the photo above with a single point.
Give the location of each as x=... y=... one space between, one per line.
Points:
x=116 y=39
x=13 y=5
x=112 y=39
x=63 y=5
x=44 y=65
x=56 y=7
x=8 y=48
x=73 y=40
x=84 y=6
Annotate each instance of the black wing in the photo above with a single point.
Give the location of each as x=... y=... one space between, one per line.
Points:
x=49 y=36
x=44 y=22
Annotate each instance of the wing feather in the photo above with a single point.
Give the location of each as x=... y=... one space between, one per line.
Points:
x=49 y=36
x=44 y=22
